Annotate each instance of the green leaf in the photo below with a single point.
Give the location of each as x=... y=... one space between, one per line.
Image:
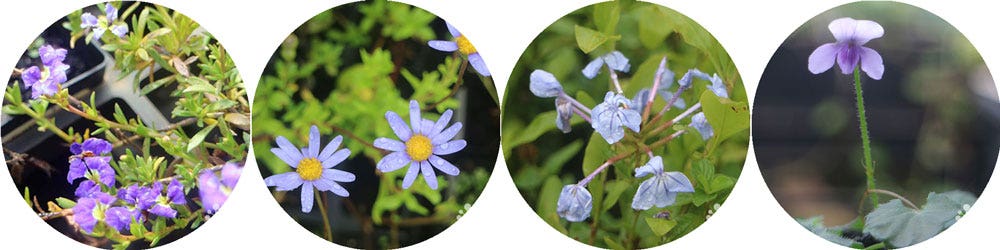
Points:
x=614 y=190
x=902 y=226
x=199 y=85
x=700 y=198
x=65 y=203
x=726 y=116
x=703 y=172
x=660 y=226
x=651 y=28
x=815 y=225
x=720 y=182
x=547 y=202
x=588 y=40
x=606 y=16
x=198 y=138
x=27 y=196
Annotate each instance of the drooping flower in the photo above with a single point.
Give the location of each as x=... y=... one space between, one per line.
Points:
x=423 y=143
x=102 y=24
x=848 y=51
x=461 y=44
x=699 y=122
x=212 y=192
x=611 y=115
x=313 y=168
x=574 y=203
x=660 y=190
x=89 y=160
x=88 y=211
x=543 y=84
x=615 y=60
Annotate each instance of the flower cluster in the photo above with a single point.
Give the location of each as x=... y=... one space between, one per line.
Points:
x=100 y=25
x=616 y=115
x=100 y=200
x=46 y=80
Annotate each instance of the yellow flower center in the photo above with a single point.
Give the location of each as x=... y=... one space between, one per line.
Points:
x=464 y=45
x=309 y=169
x=419 y=147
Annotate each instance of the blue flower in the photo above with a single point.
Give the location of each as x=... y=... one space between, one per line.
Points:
x=461 y=44
x=120 y=218
x=102 y=24
x=139 y=196
x=718 y=87
x=89 y=161
x=421 y=146
x=699 y=122
x=574 y=203
x=47 y=79
x=88 y=211
x=848 y=51
x=691 y=74
x=610 y=115
x=313 y=168
x=615 y=60
x=564 y=112
x=544 y=84
x=660 y=190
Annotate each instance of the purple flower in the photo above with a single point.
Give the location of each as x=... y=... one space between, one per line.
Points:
x=421 y=146
x=141 y=197
x=699 y=122
x=87 y=188
x=120 y=218
x=102 y=24
x=212 y=191
x=662 y=189
x=615 y=60
x=574 y=203
x=46 y=80
x=161 y=205
x=88 y=211
x=230 y=174
x=848 y=51
x=463 y=45
x=51 y=56
x=88 y=160
x=611 y=115
x=313 y=168
x=31 y=76
x=175 y=192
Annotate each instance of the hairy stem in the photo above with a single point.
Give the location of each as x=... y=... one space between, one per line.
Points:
x=865 y=141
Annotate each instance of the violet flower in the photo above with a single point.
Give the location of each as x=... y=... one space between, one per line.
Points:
x=313 y=168
x=89 y=160
x=120 y=218
x=848 y=51
x=423 y=142
x=461 y=44
x=47 y=79
x=660 y=190
x=102 y=24
x=89 y=211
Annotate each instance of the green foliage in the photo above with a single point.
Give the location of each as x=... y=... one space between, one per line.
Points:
x=903 y=226
x=645 y=33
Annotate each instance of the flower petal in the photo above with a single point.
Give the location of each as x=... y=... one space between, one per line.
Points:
x=411 y=175
x=700 y=123
x=290 y=150
x=330 y=148
x=429 y=177
x=339 y=190
x=30 y=76
x=648 y=194
x=446 y=46
x=543 y=84
x=290 y=160
x=415 y=117
x=389 y=144
x=871 y=63
x=477 y=63
x=574 y=203
x=843 y=28
x=443 y=165
x=88 y=20
x=338 y=175
x=119 y=30
x=314 y=137
x=678 y=182
x=616 y=61
x=593 y=67
x=848 y=57
x=284 y=181
x=822 y=58
x=306 y=197
x=866 y=30
x=452 y=30
x=393 y=161
x=653 y=167
x=447 y=134
x=449 y=147
x=442 y=122
x=336 y=158
x=398 y=126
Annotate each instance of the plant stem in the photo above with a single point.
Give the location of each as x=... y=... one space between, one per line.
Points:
x=327 y=231
x=895 y=195
x=865 y=141
x=614 y=79
x=454 y=89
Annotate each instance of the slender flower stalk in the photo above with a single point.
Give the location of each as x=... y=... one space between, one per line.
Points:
x=865 y=141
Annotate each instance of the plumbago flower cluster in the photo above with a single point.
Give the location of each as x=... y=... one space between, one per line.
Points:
x=617 y=113
x=133 y=180
x=899 y=222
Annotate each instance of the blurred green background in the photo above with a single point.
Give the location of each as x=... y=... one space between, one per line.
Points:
x=542 y=159
x=342 y=70
x=933 y=117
